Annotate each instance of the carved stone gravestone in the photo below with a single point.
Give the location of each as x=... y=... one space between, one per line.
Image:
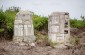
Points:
x=59 y=28
x=23 y=27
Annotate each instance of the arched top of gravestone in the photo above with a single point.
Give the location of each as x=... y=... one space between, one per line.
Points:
x=24 y=15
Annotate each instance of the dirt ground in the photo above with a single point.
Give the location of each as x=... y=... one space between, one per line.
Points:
x=10 y=48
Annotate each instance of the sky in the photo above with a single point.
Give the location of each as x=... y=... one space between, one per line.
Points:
x=76 y=8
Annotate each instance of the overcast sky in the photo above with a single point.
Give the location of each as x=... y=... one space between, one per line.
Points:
x=76 y=8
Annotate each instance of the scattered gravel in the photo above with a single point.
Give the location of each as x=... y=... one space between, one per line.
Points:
x=10 y=48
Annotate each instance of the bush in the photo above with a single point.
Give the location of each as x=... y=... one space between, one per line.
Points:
x=40 y=22
x=77 y=23
x=7 y=23
x=2 y=18
x=10 y=20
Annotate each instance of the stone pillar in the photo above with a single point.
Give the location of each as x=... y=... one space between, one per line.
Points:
x=23 y=27
x=59 y=28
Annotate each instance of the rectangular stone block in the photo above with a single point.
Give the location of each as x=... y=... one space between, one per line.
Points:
x=57 y=30
x=23 y=27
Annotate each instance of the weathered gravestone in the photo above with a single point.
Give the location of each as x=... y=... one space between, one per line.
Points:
x=23 y=27
x=59 y=29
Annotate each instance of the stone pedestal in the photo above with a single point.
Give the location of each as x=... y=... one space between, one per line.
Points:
x=23 y=27
x=59 y=28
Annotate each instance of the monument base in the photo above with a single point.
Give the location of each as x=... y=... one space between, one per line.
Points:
x=18 y=39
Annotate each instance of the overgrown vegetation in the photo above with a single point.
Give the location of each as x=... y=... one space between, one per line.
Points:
x=7 y=23
x=40 y=22
x=77 y=23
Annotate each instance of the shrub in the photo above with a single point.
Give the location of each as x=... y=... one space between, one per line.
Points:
x=39 y=22
x=77 y=23
x=7 y=23
x=10 y=16
x=2 y=18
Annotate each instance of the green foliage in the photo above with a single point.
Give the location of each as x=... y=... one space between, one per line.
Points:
x=10 y=20
x=2 y=17
x=77 y=23
x=39 y=22
x=7 y=23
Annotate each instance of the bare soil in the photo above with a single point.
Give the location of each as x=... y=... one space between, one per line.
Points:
x=11 y=48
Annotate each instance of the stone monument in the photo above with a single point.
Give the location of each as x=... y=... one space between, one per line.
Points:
x=59 y=28
x=23 y=27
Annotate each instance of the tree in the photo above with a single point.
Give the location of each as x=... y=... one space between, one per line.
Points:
x=82 y=17
x=13 y=8
x=1 y=9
